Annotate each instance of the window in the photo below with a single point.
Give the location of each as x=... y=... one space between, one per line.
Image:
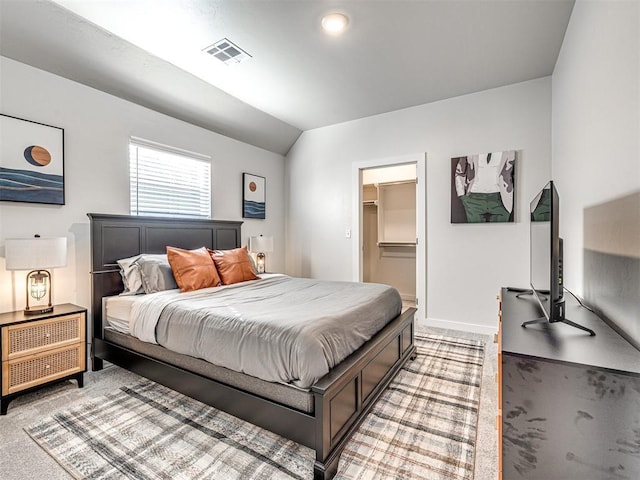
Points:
x=166 y=181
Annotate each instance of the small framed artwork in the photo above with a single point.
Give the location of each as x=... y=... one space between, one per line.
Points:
x=31 y=162
x=253 y=196
x=483 y=187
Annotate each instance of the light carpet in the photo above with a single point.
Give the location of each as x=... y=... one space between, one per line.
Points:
x=423 y=427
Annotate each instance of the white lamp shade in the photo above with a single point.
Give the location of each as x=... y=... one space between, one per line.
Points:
x=35 y=253
x=261 y=244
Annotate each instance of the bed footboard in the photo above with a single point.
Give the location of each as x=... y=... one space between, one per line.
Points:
x=342 y=398
x=345 y=395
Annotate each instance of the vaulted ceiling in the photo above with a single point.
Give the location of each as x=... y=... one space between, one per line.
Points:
x=394 y=54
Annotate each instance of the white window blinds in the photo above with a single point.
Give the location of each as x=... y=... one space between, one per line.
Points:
x=166 y=181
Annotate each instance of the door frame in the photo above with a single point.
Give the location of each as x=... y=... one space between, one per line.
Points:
x=420 y=159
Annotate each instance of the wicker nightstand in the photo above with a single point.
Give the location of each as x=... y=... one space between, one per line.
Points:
x=40 y=349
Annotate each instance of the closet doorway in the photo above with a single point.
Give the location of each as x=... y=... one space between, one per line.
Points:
x=390 y=226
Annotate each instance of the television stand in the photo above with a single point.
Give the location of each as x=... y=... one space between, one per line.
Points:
x=568 y=322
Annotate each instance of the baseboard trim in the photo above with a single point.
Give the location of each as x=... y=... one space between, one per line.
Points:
x=407 y=297
x=465 y=327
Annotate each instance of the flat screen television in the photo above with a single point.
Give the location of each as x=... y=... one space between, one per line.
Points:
x=546 y=267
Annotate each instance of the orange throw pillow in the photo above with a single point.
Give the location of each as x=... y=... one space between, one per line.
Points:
x=233 y=266
x=192 y=269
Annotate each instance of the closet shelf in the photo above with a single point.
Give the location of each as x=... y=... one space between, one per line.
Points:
x=397 y=244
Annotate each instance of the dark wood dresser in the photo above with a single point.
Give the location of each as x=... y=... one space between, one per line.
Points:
x=569 y=402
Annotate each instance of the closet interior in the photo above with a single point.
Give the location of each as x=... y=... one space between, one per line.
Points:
x=389 y=228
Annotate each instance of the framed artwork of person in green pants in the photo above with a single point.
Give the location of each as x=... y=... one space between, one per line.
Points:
x=483 y=187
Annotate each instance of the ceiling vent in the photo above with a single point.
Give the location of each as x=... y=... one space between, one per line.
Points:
x=227 y=52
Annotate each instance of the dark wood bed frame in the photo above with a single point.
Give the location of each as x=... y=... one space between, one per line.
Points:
x=342 y=398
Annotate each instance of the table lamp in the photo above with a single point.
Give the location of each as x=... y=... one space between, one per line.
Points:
x=36 y=254
x=260 y=245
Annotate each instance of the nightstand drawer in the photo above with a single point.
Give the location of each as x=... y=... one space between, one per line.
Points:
x=33 y=337
x=32 y=370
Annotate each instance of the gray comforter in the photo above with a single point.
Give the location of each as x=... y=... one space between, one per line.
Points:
x=280 y=329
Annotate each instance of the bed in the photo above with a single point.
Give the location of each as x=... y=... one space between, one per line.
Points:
x=322 y=417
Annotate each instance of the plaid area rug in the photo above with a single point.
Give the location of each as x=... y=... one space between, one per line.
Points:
x=423 y=427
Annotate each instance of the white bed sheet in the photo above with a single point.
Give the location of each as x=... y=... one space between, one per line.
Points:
x=117 y=311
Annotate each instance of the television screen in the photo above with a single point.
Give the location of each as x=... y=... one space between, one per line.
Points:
x=545 y=255
x=546 y=268
x=541 y=243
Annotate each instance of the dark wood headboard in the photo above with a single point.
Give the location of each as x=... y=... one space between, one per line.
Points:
x=120 y=236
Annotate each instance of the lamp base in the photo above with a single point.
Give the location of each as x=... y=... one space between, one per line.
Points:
x=261 y=261
x=38 y=310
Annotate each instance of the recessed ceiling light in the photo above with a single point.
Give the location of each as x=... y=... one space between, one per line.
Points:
x=335 y=23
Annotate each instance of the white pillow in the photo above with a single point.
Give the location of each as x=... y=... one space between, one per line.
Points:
x=131 y=276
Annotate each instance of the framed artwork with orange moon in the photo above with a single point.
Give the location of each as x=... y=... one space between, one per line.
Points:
x=31 y=162
x=253 y=196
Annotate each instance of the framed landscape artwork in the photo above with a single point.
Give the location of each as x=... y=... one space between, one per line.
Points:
x=483 y=187
x=253 y=196
x=31 y=162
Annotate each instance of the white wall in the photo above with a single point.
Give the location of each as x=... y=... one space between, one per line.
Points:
x=596 y=117
x=467 y=264
x=97 y=127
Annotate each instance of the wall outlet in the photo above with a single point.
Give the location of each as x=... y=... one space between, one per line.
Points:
x=347 y=232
